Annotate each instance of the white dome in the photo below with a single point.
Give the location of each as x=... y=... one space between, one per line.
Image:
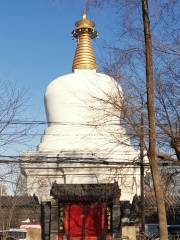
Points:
x=68 y=98
x=74 y=108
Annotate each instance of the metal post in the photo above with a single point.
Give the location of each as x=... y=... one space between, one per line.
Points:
x=142 y=172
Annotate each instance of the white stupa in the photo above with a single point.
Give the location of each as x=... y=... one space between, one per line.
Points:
x=80 y=143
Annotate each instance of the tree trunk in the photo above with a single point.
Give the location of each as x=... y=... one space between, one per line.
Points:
x=175 y=143
x=152 y=124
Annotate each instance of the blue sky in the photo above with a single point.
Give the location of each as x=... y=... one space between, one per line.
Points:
x=36 y=44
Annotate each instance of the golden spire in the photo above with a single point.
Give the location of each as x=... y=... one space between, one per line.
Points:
x=84 y=57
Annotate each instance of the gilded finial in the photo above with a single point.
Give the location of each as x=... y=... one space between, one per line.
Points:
x=85 y=31
x=84 y=15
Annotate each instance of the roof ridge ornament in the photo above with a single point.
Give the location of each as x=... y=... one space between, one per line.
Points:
x=85 y=31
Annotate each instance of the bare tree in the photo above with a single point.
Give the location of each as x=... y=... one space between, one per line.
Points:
x=168 y=118
x=127 y=63
x=13 y=104
x=152 y=123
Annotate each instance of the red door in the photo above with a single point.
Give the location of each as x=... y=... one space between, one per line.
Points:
x=84 y=222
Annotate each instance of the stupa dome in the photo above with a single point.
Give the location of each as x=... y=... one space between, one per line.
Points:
x=73 y=108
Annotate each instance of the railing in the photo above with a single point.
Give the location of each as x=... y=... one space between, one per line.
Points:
x=174 y=236
x=144 y=236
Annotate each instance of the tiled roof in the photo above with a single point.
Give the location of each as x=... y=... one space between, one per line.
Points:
x=171 y=201
x=85 y=192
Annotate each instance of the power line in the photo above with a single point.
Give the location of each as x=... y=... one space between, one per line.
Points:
x=64 y=159
x=97 y=164
x=39 y=122
x=44 y=122
x=67 y=160
x=55 y=134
